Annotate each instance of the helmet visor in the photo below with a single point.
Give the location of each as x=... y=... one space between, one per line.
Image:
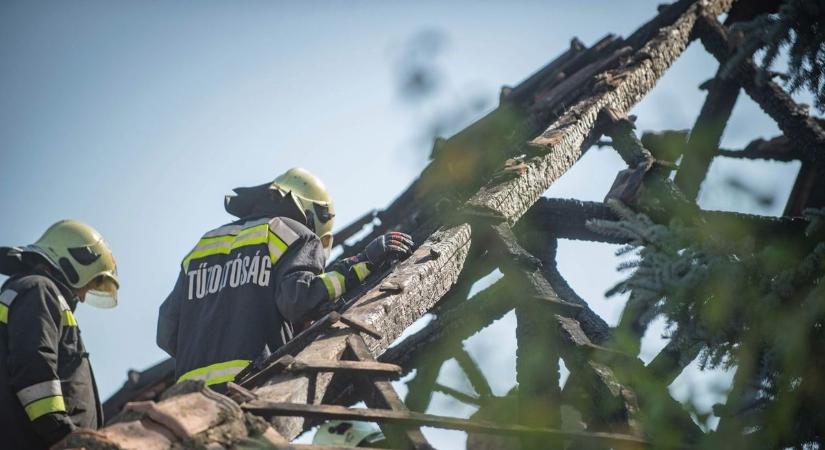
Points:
x=102 y=293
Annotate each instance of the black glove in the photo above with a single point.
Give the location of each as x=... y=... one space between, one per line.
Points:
x=390 y=246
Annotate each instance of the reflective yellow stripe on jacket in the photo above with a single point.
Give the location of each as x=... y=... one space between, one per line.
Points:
x=42 y=398
x=66 y=316
x=361 y=270
x=272 y=232
x=335 y=284
x=216 y=373
x=6 y=299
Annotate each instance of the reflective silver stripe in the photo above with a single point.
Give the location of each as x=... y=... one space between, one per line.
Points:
x=63 y=305
x=7 y=297
x=234 y=229
x=256 y=234
x=336 y=282
x=40 y=390
x=223 y=231
x=282 y=231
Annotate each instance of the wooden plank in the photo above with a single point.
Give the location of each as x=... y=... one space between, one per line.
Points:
x=360 y=326
x=295 y=345
x=366 y=367
x=259 y=378
x=384 y=396
x=271 y=410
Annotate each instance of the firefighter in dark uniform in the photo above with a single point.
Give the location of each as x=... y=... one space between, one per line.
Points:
x=244 y=284
x=47 y=388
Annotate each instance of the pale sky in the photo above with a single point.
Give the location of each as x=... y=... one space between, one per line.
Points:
x=137 y=117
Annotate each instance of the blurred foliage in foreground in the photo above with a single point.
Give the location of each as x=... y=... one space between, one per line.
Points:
x=759 y=308
x=799 y=25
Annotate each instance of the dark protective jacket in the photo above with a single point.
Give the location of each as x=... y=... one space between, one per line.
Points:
x=237 y=293
x=47 y=388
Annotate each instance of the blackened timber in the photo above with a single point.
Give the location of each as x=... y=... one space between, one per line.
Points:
x=778 y=148
x=684 y=346
x=455 y=324
x=563 y=140
x=792 y=118
x=382 y=395
x=333 y=412
x=566 y=219
x=537 y=352
x=706 y=134
x=808 y=190
x=474 y=374
x=458 y=395
x=544 y=246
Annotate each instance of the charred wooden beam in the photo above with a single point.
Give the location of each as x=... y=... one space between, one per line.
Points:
x=808 y=190
x=792 y=118
x=537 y=352
x=458 y=395
x=778 y=148
x=455 y=324
x=703 y=143
x=684 y=346
x=566 y=219
x=544 y=245
x=273 y=410
x=706 y=134
x=474 y=374
x=564 y=138
x=380 y=394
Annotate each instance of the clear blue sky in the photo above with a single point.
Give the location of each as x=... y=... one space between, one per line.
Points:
x=137 y=117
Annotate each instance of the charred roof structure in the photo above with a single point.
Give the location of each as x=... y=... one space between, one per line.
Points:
x=477 y=206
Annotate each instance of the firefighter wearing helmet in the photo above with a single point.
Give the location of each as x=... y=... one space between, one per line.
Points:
x=47 y=388
x=244 y=284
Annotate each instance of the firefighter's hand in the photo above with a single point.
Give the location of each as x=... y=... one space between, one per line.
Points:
x=392 y=245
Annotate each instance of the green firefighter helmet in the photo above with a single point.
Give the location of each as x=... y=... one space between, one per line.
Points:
x=84 y=259
x=312 y=199
x=345 y=433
